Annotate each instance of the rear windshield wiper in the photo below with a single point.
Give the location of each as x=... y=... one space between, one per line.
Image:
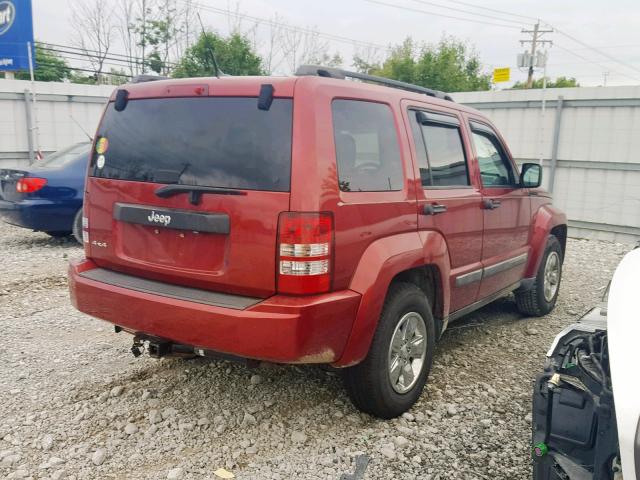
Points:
x=195 y=191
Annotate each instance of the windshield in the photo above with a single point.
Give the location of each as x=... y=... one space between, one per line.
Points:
x=214 y=142
x=62 y=157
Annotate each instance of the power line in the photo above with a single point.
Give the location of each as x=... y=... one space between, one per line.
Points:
x=588 y=60
x=96 y=54
x=273 y=23
x=85 y=70
x=417 y=10
x=72 y=56
x=604 y=54
x=462 y=10
x=495 y=10
x=503 y=12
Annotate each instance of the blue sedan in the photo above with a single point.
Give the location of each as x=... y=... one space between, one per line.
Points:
x=47 y=197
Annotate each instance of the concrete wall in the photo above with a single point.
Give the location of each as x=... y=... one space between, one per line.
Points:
x=57 y=106
x=597 y=180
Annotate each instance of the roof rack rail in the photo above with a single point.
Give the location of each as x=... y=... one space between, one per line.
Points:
x=147 y=78
x=330 y=72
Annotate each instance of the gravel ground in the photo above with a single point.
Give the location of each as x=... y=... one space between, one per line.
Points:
x=75 y=404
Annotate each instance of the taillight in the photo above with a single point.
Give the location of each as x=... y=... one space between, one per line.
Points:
x=30 y=184
x=305 y=244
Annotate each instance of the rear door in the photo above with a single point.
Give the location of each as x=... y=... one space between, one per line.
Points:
x=188 y=190
x=449 y=200
x=507 y=212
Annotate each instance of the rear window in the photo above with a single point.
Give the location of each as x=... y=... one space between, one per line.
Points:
x=214 y=142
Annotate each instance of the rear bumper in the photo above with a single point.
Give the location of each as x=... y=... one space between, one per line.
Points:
x=282 y=329
x=42 y=215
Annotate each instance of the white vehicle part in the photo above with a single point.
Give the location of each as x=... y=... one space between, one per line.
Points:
x=624 y=333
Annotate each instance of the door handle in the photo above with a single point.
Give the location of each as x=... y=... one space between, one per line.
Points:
x=490 y=204
x=434 y=209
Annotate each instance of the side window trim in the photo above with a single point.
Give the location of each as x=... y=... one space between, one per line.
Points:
x=447 y=121
x=483 y=129
x=436 y=118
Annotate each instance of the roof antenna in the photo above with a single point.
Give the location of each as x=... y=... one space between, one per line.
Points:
x=217 y=70
x=80 y=127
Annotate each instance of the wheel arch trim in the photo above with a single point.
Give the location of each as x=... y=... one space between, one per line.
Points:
x=381 y=262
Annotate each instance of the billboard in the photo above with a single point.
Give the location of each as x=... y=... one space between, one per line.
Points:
x=16 y=31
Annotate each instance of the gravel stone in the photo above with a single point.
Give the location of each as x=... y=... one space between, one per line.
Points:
x=388 y=451
x=298 y=437
x=192 y=414
x=99 y=456
x=47 y=442
x=248 y=419
x=155 y=416
x=130 y=428
x=116 y=391
x=175 y=474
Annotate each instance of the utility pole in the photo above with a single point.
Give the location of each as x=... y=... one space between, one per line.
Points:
x=535 y=41
x=605 y=75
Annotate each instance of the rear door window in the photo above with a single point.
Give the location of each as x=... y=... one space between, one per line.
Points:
x=367 y=148
x=441 y=156
x=215 y=142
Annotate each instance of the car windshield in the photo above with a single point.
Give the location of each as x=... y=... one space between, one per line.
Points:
x=215 y=142
x=62 y=157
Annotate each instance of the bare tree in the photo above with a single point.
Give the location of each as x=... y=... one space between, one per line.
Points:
x=126 y=16
x=185 y=30
x=94 y=30
x=303 y=46
x=366 y=59
x=272 y=47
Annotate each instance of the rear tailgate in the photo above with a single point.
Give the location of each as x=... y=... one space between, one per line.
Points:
x=228 y=164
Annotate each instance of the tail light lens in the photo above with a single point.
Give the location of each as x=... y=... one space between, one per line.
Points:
x=305 y=248
x=30 y=184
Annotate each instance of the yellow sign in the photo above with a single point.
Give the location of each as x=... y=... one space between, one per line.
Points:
x=501 y=75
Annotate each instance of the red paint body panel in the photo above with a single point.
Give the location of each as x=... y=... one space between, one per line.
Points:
x=382 y=261
x=377 y=235
x=242 y=262
x=545 y=218
x=462 y=224
x=280 y=329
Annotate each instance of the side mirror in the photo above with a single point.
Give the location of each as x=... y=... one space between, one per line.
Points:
x=530 y=175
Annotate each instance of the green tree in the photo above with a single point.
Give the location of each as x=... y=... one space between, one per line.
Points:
x=233 y=54
x=50 y=67
x=560 y=82
x=450 y=65
x=116 y=76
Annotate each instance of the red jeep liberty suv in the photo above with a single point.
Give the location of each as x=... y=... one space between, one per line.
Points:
x=309 y=219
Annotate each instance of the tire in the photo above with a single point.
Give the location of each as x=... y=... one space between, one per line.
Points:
x=536 y=301
x=58 y=234
x=369 y=383
x=77 y=227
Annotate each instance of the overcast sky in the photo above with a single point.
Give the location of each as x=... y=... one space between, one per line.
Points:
x=611 y=27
